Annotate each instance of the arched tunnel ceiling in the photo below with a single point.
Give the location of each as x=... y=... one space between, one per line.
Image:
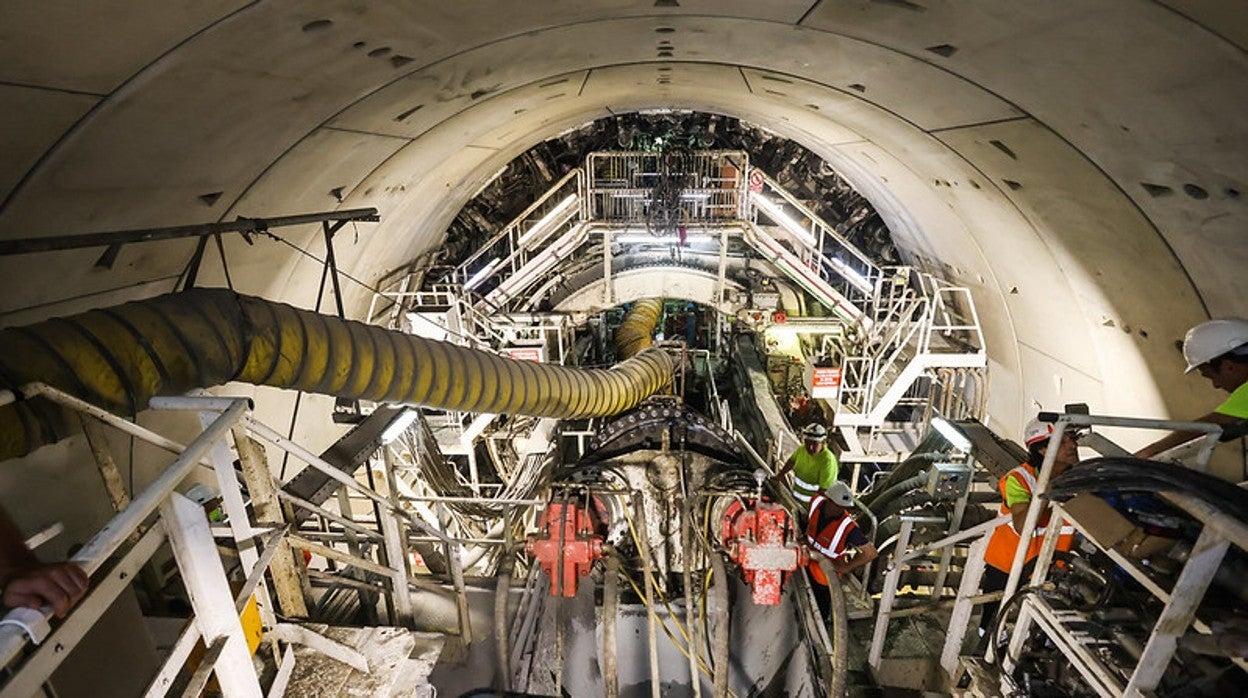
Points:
x=1007 y=145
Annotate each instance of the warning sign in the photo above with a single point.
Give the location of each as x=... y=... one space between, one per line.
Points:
x=525 y=353
x=756 y=180
x=825 y=383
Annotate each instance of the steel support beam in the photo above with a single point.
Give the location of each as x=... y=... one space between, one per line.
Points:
x=243 y=226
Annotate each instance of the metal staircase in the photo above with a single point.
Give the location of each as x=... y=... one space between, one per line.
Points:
x=903 y=326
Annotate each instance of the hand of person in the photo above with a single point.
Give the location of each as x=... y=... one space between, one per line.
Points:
x=60 y=585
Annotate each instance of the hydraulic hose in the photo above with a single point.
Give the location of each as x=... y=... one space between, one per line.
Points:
x=840 y=628
x=880 y=504
x=118 y=358
x=915 y=464
x=634 y=334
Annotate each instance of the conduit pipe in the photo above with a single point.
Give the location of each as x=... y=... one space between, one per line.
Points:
x=120 y=357
x=634 y=334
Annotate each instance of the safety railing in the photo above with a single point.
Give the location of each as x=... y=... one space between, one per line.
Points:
x=376 y=548
x=1219 y=531
x=963 y=603
x=531 y=232
x=820 y=247
x=659 y=191
x=918 y=328
x=184 y=525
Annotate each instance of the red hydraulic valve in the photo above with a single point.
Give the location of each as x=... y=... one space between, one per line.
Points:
x=759 y=538
x=566 y=547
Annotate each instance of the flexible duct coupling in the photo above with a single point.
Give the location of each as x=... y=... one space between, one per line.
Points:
x=635 y=333
x=120 y=357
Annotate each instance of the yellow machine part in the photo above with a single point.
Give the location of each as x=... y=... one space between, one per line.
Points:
x=120 y=357
x=634 y=334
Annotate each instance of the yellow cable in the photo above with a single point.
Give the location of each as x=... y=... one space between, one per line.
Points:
x=671 y=612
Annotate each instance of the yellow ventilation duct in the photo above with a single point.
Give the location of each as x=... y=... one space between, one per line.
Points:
x=118 y=358
x=633 y=335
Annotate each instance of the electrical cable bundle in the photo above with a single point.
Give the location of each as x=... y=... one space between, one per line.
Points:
x=1139 y=475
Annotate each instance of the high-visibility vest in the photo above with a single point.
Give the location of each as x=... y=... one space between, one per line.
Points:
x=1004 y=541
x=829 y=540
x=812 y=473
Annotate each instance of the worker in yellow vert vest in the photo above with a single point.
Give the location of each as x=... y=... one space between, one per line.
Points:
x=813 y=464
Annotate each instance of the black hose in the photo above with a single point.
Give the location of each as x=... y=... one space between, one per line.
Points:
x=913 y=499
x=1138 y=475
x=880 y=503
x=995 y=630
x=922 y=456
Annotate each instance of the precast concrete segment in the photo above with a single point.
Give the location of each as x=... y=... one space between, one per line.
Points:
x=119 y=358
x=634 y=333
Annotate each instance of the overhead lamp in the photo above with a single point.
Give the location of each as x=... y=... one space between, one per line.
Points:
x=663 y=240
x=951 y=433
x=539 y=228
x=399 y=425
x=773 y=212
x=482 y=274
x=855 y=279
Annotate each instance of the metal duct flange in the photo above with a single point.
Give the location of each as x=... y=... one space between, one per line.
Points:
x=120 y=357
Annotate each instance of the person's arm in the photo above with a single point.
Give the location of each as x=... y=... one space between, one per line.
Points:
x=866 y=553
x=1019 y=512
x=1017 y=500
x=788 y=465
x=25 y=581
x=1178 y=438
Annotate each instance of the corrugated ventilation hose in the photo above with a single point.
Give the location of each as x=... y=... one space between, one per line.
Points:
x=120 y=357
x=633 y=335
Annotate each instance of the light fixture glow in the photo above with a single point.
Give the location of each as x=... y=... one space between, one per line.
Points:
x=539 y=228
x=660 y=240
x=773 y=212
x=482 y=274
x=398 y=426
x=951 y=434
x=855 y=279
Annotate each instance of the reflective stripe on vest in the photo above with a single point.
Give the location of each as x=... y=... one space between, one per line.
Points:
x=1004 y=541
x=799 y=482
x=835 y=548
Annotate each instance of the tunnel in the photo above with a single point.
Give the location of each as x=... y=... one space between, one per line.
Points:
x=1079 y=167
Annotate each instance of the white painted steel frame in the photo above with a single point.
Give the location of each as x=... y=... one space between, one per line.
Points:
x=209 y=590
x=1180 y=603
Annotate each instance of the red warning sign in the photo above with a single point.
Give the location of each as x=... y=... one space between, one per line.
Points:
x=825 y=383
x=525 y=353
x=756 y=180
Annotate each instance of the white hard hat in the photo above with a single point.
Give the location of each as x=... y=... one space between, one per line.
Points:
x=1036 y=431
x=840 y=494
x=815 y=432
x=1209 y=340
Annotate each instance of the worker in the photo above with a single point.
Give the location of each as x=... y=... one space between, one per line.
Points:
x=1218 y=349
x=813 y=465
x=833 y=533
x=1017 y=488
x=27 y=582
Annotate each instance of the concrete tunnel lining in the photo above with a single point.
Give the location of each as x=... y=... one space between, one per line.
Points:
x=908 y=147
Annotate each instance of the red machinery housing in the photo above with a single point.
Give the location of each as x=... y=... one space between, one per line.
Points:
x=759 y=537
x=566 y=546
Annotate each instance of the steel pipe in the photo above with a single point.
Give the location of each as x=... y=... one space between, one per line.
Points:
x=119 y=358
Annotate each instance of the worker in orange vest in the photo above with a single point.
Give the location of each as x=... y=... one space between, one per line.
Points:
x=833 y=533
x=1017 y=488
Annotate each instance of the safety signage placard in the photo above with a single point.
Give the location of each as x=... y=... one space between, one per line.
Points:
x=825 y=383
x=525 y=353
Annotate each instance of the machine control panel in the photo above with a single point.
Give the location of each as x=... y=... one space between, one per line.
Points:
x=949 y=480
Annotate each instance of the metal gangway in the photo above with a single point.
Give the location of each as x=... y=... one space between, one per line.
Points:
x=709 y=211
